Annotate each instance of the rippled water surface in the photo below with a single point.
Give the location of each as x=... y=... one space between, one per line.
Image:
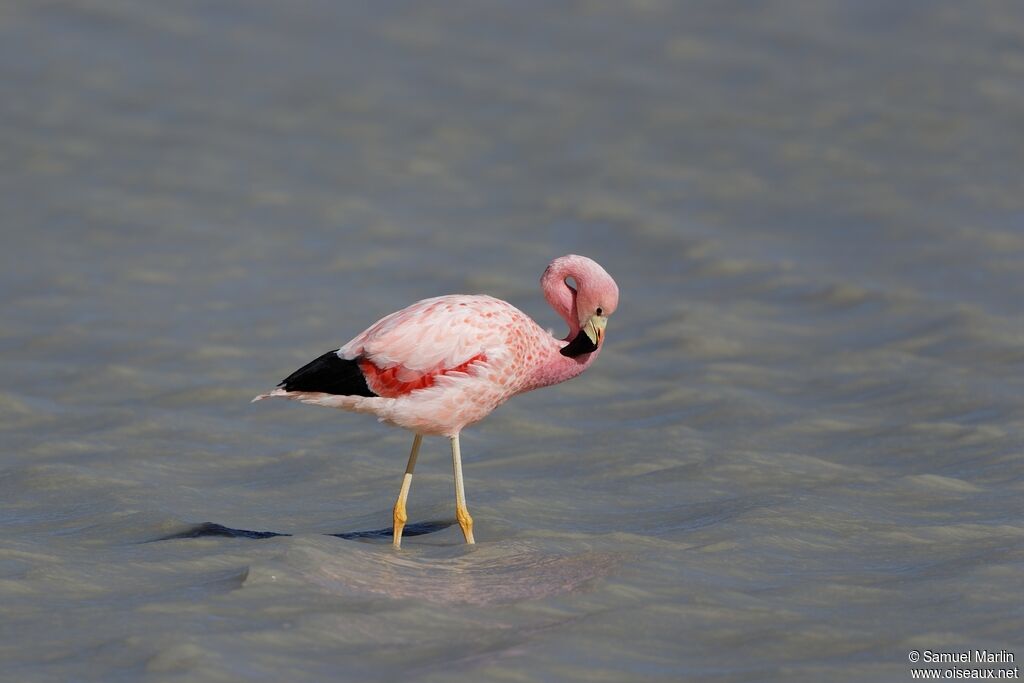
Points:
x=798 y=458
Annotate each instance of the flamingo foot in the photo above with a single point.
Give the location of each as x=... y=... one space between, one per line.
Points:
x=400 y=518
x=466 y=522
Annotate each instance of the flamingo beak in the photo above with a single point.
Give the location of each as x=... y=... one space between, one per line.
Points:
x=588 y=339
x=595 y=328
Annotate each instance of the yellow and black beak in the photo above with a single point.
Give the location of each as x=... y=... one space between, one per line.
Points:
x=588 y=339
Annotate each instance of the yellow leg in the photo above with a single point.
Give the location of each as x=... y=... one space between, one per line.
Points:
x=461 y=512
x=400 y=516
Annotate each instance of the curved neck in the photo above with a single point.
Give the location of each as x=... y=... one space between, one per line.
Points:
x=561 y=297
x=553 y=367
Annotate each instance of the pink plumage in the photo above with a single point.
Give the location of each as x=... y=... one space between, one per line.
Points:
x=444 y=363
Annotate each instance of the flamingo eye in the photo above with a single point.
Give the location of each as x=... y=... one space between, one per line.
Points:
x=599 y=311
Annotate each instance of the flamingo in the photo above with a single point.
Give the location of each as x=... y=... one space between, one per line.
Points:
x=444 y=363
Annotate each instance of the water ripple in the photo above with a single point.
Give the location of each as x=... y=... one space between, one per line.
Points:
x=499 y=573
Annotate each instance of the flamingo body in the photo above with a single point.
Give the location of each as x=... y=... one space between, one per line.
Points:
x=447 y=362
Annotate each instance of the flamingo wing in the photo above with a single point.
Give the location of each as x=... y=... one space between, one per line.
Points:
x=411 y=348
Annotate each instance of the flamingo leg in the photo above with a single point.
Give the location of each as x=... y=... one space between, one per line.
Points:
x=400 y=516
x=461 y=511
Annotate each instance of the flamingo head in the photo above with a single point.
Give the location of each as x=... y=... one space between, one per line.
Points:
x=594 y=298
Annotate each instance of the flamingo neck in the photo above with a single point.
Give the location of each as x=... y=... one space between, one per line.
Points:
x=561 y=296
x=553 y=367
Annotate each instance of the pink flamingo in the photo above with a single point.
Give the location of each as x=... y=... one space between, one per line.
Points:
x=444 y=363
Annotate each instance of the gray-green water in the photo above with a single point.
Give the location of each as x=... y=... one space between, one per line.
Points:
x=799 y=457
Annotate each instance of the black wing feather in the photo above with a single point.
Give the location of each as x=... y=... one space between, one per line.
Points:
x=329 y=374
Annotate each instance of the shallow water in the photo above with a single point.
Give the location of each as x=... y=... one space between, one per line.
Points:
x=798 y=458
